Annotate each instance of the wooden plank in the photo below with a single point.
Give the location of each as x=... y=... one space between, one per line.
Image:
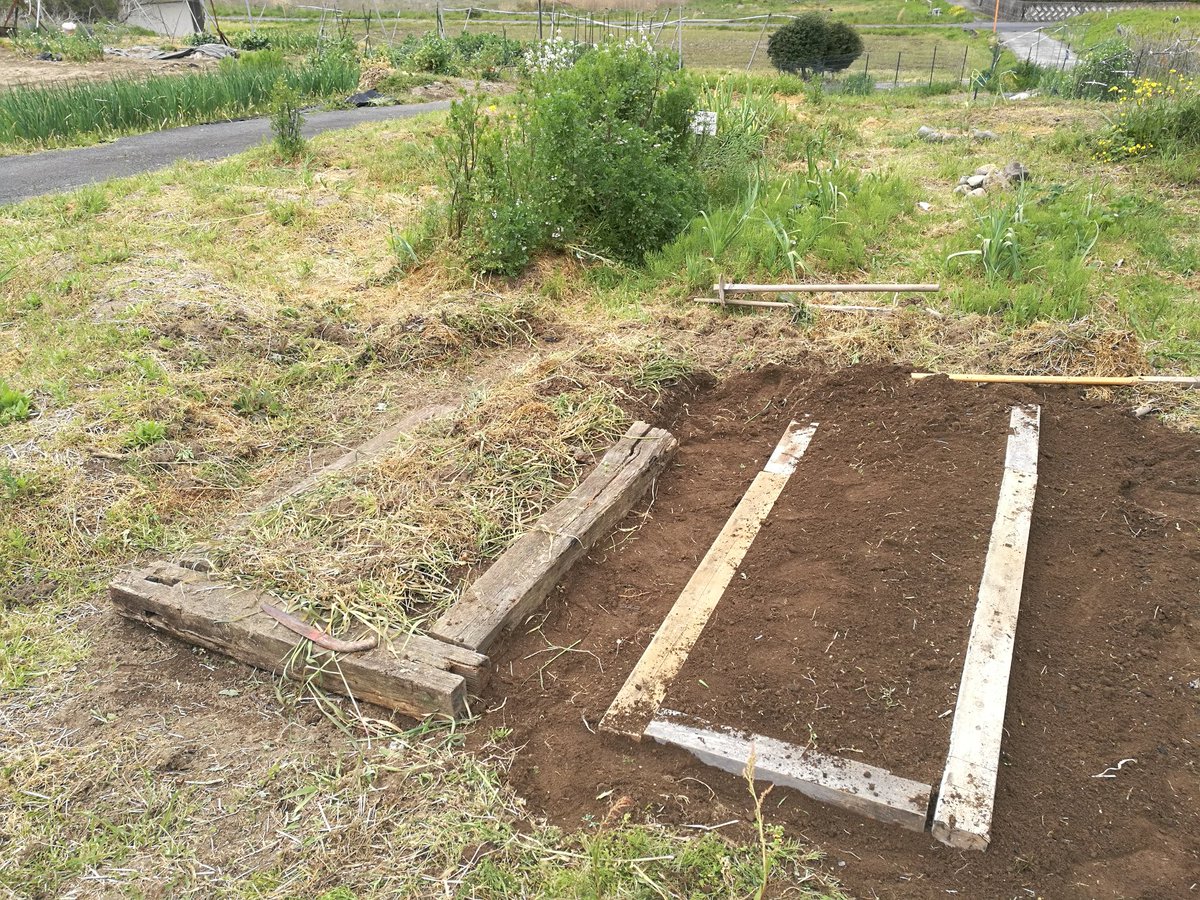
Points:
x=414 y=675
x=827 y=288
x=963 y=816
x=522 y=577
x=846 y=783
x=647 y=684
x=1081 y=380
x=780 y=304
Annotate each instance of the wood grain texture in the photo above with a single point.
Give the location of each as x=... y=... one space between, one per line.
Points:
x=666 y=653
x=963 y=815
x=413 y=674
x=519 y=581
x=849 y=784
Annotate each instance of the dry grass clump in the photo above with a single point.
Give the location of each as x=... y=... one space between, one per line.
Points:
x=388 y=545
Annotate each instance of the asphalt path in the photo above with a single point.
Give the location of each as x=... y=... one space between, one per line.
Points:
x=53 y=171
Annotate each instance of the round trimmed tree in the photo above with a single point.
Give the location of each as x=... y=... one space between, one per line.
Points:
x=811 y=43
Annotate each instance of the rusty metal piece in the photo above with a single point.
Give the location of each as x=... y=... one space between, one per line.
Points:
x=316 y=635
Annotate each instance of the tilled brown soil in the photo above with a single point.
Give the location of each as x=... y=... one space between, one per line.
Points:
x=864 y=582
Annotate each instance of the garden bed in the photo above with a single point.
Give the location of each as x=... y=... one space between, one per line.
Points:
x=1104 y=662
x=845 y=626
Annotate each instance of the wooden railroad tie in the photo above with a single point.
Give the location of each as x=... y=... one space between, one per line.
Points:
x=520 y=580
x=410 y=673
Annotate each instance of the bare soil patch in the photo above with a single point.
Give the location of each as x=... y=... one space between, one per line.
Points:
x=847 y=622
x=1105 y=666
x=19 y=70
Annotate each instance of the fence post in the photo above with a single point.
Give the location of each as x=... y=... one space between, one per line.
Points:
x=962 y=73
x=754 y=52
x=896 y=80
x=932 y=63
x=539 y=19
x=681 y=36
x=867 y=64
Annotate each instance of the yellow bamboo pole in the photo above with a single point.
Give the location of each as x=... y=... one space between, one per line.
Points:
x=1081 y=380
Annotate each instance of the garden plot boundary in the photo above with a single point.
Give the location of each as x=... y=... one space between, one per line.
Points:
x=963 y=813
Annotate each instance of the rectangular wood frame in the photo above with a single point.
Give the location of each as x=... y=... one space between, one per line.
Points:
x=963 y=811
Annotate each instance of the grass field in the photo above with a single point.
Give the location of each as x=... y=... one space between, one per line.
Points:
x=175 y=346
x=877 y=12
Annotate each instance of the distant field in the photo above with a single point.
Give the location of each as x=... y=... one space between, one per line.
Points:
x=903 y=54
x=880 y=12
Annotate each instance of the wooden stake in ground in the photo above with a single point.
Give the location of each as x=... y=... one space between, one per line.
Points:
x=963 y=816
x=647 y=684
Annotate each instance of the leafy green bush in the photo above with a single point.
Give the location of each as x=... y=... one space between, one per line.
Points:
x=252 y=40
x=201 y=37
x=483 y=53
x=1107 y=69
x=599 y=155
x=287 y=120
x=810 y=43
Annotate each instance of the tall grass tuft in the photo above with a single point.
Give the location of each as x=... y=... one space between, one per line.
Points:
x=44 y=116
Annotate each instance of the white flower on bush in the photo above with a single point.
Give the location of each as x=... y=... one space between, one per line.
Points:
x=553 y=55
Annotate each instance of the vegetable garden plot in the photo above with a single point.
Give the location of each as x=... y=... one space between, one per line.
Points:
x=1103 y=652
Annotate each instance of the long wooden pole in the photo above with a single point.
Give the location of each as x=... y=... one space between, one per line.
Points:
x=1083 y=380
x=827 y=288
x=779 y=304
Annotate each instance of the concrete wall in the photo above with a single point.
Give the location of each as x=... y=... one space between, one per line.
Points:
x=174 y=18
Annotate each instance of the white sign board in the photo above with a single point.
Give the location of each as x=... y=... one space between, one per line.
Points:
x=704 y=122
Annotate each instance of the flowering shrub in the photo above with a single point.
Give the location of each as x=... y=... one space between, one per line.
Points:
x=1150 y=116
x=554 y=55
x=599 y=155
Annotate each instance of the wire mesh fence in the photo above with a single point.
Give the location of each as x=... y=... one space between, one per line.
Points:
x=890 y=58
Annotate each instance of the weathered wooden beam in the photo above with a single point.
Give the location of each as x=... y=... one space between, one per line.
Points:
x=850 y=784
x=413 y=674
x=522 y=577
x=666 y=653
x=963 y=815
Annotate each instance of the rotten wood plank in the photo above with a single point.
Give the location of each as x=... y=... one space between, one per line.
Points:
x=413 y=674
x=522 y=577
x=846 y=783
x=963 y=815
x=647 y=684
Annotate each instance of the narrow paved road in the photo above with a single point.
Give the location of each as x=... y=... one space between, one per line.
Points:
x=51 y=171
x=1033 y=45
